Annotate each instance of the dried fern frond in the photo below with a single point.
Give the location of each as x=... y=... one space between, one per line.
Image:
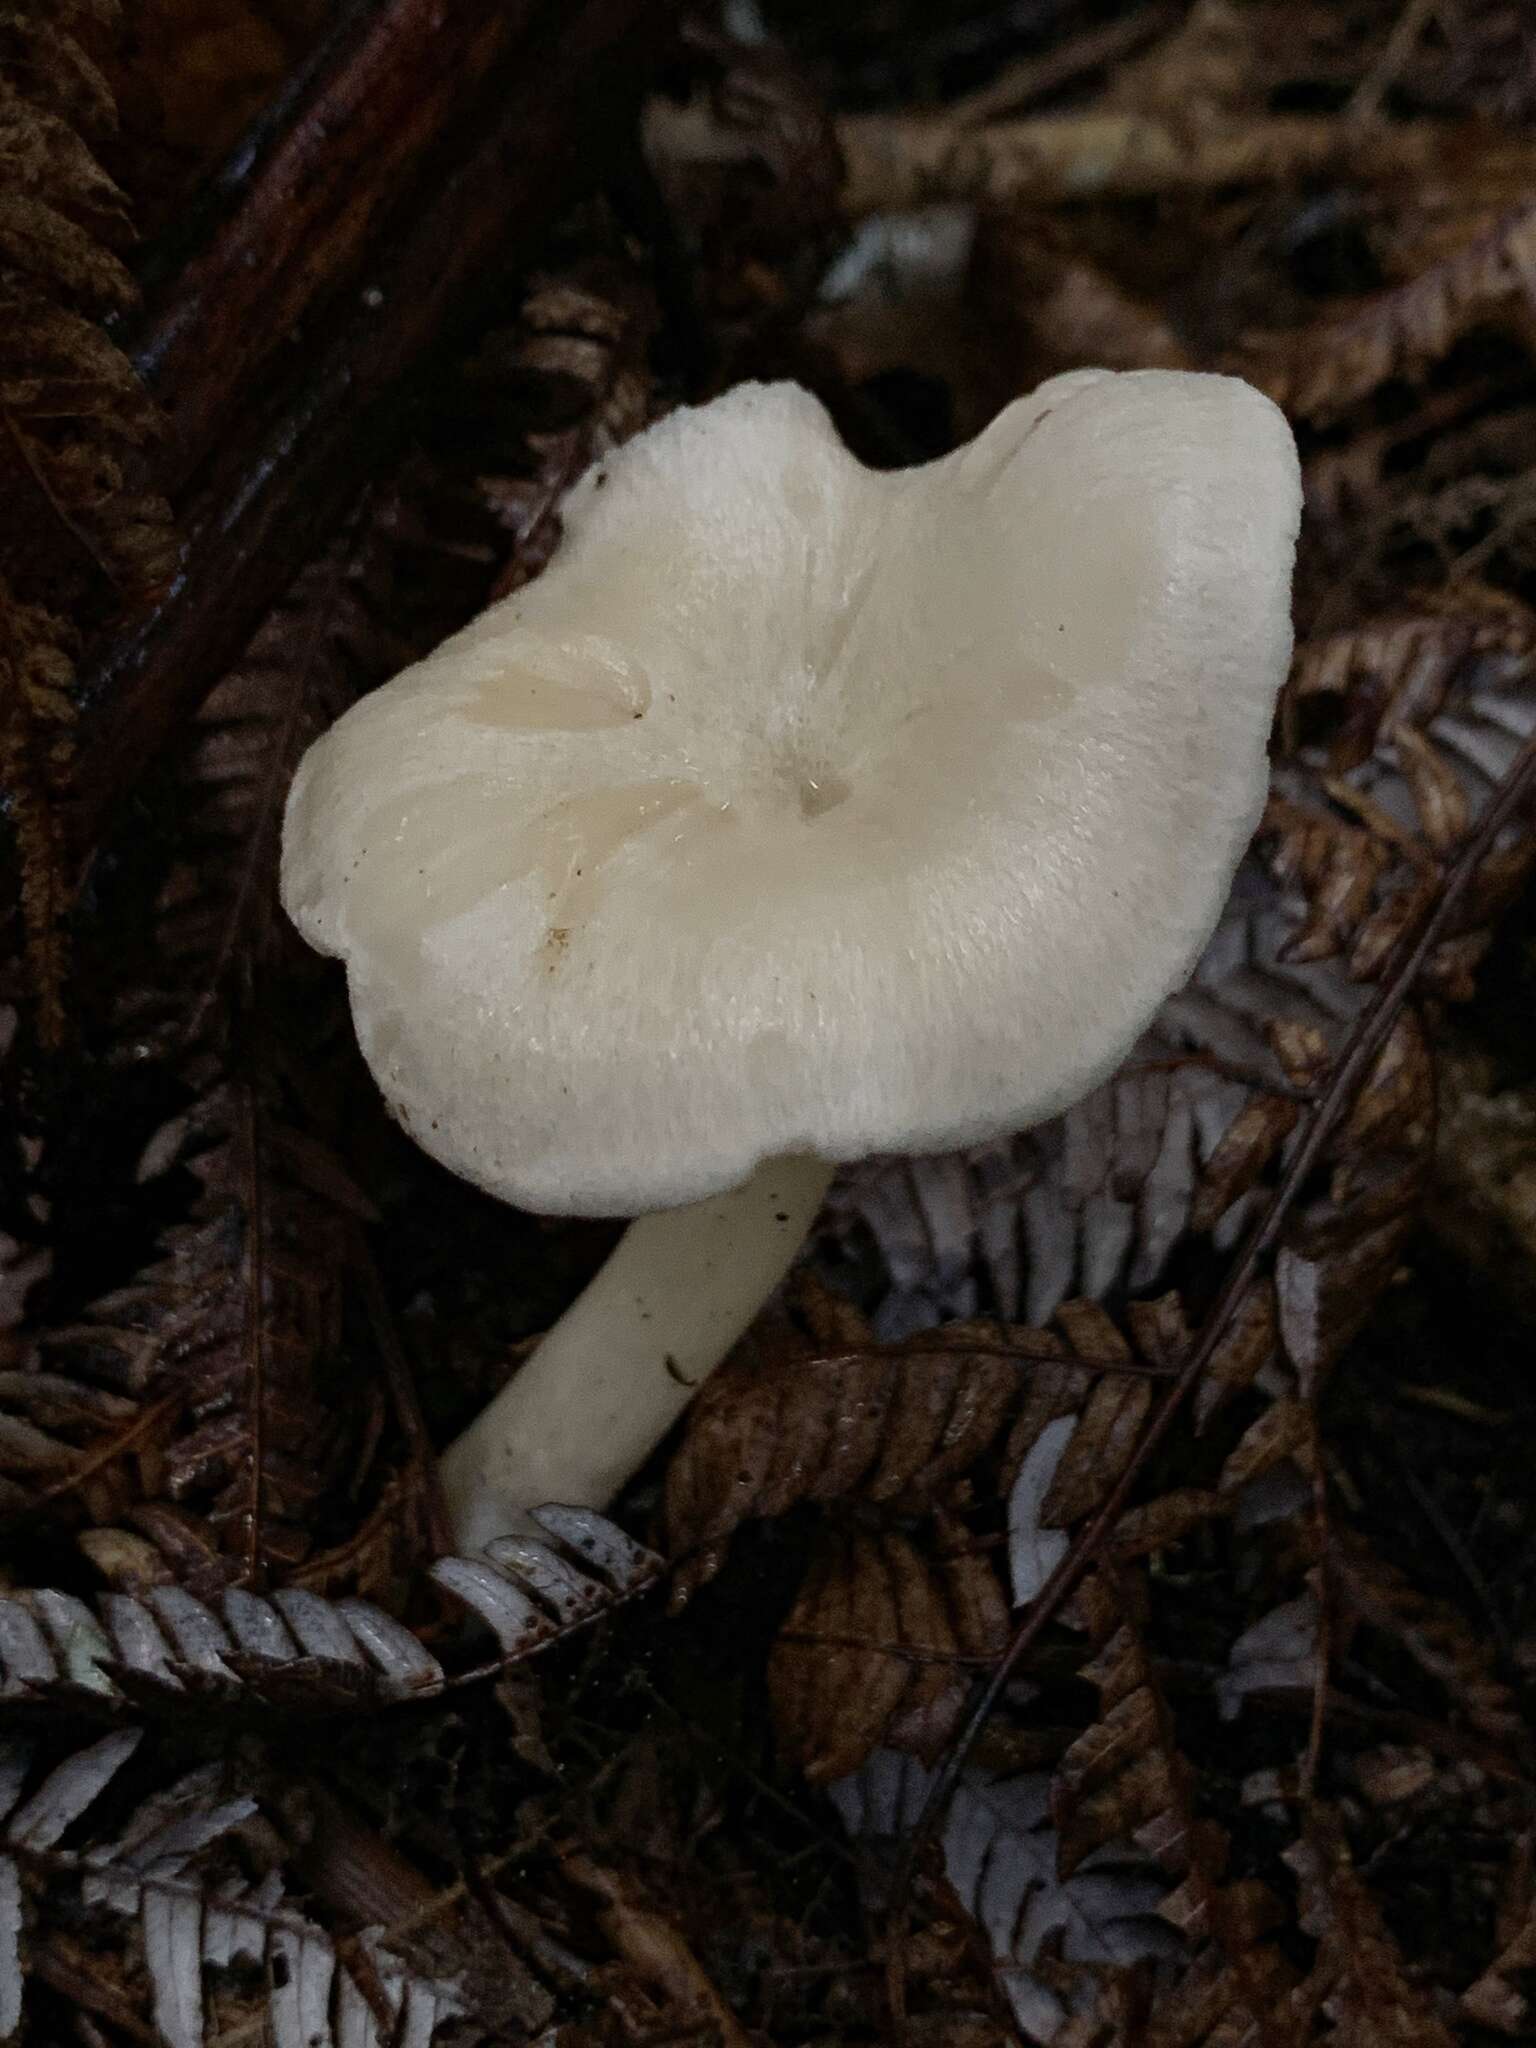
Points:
x=162 y=1648
x=36 y=715
x=833 y=1415
x=73 y=407
x=1366 y=826
x=1078 y=1404
x=202 y=1382
x=80 y=539
x=231 y=1333
x=1359 y=1989
x=1321 y=370
x=1400 y=668
x=1458 y=1660
x=576 y=370
x=250 y=1322
x=1051 y=1938
x=196 y=1925
x=217 y=912
x=879 y=1648
x=252 y=1335
x=1127 y=1777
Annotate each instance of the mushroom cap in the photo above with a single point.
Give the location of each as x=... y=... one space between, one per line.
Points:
x=799 y=807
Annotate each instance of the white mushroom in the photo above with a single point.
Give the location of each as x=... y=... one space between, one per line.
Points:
x=797 y=812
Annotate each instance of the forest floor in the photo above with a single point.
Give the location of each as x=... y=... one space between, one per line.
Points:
x=313 y=316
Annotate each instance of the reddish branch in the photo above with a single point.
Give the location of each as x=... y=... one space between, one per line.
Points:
x=410 y=184
x=312 y=201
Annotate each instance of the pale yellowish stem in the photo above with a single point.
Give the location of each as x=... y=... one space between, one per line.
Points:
x=588 y=1407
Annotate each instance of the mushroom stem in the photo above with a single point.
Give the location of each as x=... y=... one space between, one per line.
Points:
x=586 y=1409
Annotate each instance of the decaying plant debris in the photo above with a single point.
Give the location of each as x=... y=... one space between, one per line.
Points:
x=1096 y=1607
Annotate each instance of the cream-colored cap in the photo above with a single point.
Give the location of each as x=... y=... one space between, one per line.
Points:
x=798 y=807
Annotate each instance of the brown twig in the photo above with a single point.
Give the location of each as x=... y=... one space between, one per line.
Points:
x=896 y=161
x=255 y=1329
x=1327 y=1615
x=102 y=1454
x=522 y=1933
x=1410 y=25
x=1026 y=1347
x=74 y=1973
x=1036 y=78
x=1371 y=1032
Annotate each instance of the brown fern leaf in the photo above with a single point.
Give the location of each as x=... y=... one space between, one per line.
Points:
x=1398 y=669
x=1106 y=1400
x=1321 y=370
x=216 y=914
x=157 y=1363
x=1074 y=1435
x=82 y=1422
x=215 y=1378
x=63 y=1437
x=790 y=1420
x=74 y=533
x=1336 y=866
x=879 y=1649
x=232 y=1333
x=1126 y=1777
x=1460 y=1663
x=1353 y=504
x=36 y=715
x=78 y=539
x=576 y=373
x=1359 y=1990
x=1210 y=2006
x=252 y=1286
x=1361 y=831
x=1499 y=1998
x=184 y=1879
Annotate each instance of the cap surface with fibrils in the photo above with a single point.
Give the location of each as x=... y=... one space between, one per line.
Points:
x=803 y=808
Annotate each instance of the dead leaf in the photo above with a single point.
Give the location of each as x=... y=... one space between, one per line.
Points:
x=1318 y=371
x=776 y=1427
x=880 y=1648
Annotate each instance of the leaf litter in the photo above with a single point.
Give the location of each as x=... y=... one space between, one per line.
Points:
x=1263 y=1777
